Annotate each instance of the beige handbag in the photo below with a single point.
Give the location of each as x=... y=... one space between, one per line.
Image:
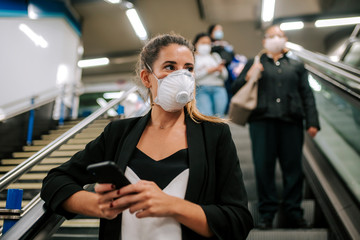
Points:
x=245 y=100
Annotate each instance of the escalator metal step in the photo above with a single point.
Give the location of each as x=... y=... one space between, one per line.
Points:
x=49 y=160
x=38 y=168
x=307 y=205
x=285 y=234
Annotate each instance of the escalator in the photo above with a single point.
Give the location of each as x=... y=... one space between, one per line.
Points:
x=331 y=165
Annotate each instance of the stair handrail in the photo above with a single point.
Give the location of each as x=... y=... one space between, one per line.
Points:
x=25 y=166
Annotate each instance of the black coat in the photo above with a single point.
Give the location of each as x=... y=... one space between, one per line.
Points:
x=283 y=92
x=215 y=179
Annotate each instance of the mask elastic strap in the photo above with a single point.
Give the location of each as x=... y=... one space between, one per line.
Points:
x=151 y=71
x=147 y=65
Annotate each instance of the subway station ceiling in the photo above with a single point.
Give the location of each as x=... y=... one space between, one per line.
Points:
x=106 y=31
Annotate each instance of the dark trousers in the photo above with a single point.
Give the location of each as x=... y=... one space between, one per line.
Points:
x=275 y=139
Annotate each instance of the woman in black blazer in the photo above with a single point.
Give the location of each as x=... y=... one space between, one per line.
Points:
x=285 y=106
x=191 y=184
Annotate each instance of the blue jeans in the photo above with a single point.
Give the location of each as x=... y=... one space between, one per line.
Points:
x=211 y=100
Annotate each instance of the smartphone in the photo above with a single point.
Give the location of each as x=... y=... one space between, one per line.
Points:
x=108 y=172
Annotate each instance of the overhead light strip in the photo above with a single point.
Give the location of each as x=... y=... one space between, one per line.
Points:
x=267 y=11
x=287 y=26
x=337 y=22
x=93 y=62
x=113 y=1
x=136 y=23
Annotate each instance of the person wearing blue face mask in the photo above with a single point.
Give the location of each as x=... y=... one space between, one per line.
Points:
x=226 y=52
x=210 y=75
x=186 y=181
x=219 y=45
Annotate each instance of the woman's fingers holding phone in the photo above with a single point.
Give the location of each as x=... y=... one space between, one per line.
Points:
x=104 y=187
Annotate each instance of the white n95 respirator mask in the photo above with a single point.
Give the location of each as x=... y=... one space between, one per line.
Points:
x=275 y=44
x=175 y=90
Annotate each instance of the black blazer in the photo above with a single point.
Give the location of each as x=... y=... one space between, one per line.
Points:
x=283 y=92
x=215 y=179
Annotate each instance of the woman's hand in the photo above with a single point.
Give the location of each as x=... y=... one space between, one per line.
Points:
x=253 y=69
x=312 y=131
x=145 y=199
x=106 y=194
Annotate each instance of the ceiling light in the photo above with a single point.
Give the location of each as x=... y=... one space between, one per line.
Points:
x=93 y=62
x=337 y=22
x=267 y=11
x=37 y=39
x=113 y=1
x=136 y=24
x=291 y=26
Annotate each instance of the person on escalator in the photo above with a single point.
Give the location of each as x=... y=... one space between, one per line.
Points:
x=276 y=127
x=186 y=181
x=210 y=74
x=226 y=52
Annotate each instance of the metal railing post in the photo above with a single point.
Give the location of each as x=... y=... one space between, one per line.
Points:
x=31 y=124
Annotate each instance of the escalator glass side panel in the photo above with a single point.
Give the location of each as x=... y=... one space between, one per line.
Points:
x=339 y=138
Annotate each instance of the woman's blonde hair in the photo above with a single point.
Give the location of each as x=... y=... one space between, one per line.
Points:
x=149 y=55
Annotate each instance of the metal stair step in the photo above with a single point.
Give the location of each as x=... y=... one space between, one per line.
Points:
x=41 y=142
x=80 y=141
x=3 y=205
x=31 y=176
x=83 y=222
x=57 y=153
x=35 y=168
x=25 y=186
x=286 y=234
x=63 y=147
x=307 y=205
x=49 y=160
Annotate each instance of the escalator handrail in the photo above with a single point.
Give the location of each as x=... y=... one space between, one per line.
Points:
x=340 y=65
x=25 y=166
x=315 y=59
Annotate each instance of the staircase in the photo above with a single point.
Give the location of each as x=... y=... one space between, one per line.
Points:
x=31 y=182
x=279 y=232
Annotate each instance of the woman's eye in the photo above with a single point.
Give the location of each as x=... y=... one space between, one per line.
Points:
x=169 y=67
x=190 y=69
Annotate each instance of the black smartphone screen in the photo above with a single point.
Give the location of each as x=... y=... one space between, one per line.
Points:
x=108 y=172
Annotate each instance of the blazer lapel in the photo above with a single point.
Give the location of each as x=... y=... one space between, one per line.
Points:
x=197 y=159
x=131 y=141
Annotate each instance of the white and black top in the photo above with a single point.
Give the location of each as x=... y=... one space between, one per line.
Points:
x=171 y=175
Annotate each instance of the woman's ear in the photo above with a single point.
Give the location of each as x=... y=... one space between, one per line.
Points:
x=145 y=78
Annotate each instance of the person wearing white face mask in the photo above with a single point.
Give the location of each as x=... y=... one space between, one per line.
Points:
x=186 y=181
x=210 y=75
x=276 y=127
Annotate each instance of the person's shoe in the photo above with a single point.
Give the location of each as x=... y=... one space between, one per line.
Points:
x=265 y=223
x=300 y=223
